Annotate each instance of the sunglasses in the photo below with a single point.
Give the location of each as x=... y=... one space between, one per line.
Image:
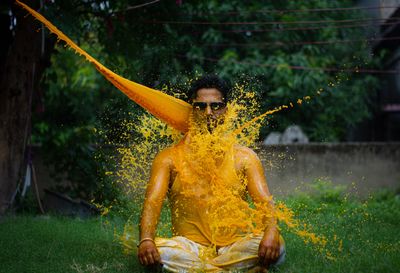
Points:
x=213 y=105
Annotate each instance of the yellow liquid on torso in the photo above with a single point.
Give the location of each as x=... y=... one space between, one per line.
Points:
x=205 y=205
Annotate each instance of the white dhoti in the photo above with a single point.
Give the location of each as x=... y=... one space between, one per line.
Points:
x=179 y=254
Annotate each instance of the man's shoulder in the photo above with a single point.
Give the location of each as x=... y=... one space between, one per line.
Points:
x=243 y=150
x=244 y=153
x=166 y=155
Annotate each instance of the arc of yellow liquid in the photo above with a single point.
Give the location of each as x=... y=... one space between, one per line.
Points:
x=172 y=111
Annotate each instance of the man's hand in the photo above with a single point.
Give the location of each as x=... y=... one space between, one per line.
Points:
x=148 y=253
x=269 y=248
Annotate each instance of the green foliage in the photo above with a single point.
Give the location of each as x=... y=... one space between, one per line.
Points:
x=27 y=204
x=167 y=53
x=66 y=120
x=133 y=43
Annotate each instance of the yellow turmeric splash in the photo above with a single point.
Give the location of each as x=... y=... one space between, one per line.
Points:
x=206 y=167
x=208 y=192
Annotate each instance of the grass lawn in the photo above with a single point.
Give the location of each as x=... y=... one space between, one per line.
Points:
x=369 y=232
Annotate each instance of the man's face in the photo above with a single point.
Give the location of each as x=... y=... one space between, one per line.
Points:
x=209 y=107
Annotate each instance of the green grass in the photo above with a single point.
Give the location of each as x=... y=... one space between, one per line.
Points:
x=53 y=244
x=369 y=231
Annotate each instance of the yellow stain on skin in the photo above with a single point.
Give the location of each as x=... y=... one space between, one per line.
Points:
x=206 y=160
x=204 y=156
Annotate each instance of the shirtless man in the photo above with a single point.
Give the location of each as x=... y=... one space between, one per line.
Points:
x=186 y=251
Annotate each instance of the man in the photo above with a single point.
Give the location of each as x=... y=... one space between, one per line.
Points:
x=207 y=186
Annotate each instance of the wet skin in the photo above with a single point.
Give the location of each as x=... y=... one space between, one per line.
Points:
x=163 y=172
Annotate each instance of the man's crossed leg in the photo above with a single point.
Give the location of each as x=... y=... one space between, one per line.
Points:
x=179 y=254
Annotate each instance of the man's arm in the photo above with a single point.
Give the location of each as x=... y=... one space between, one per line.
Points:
x=257 y=187
x=155 y=194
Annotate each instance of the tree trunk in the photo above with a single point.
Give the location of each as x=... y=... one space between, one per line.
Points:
x=20 y=72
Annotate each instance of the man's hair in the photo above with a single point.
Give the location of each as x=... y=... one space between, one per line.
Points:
x=209 y=81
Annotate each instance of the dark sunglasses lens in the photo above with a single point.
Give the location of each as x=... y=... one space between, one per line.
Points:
x=199 y=105
x=217 y=105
